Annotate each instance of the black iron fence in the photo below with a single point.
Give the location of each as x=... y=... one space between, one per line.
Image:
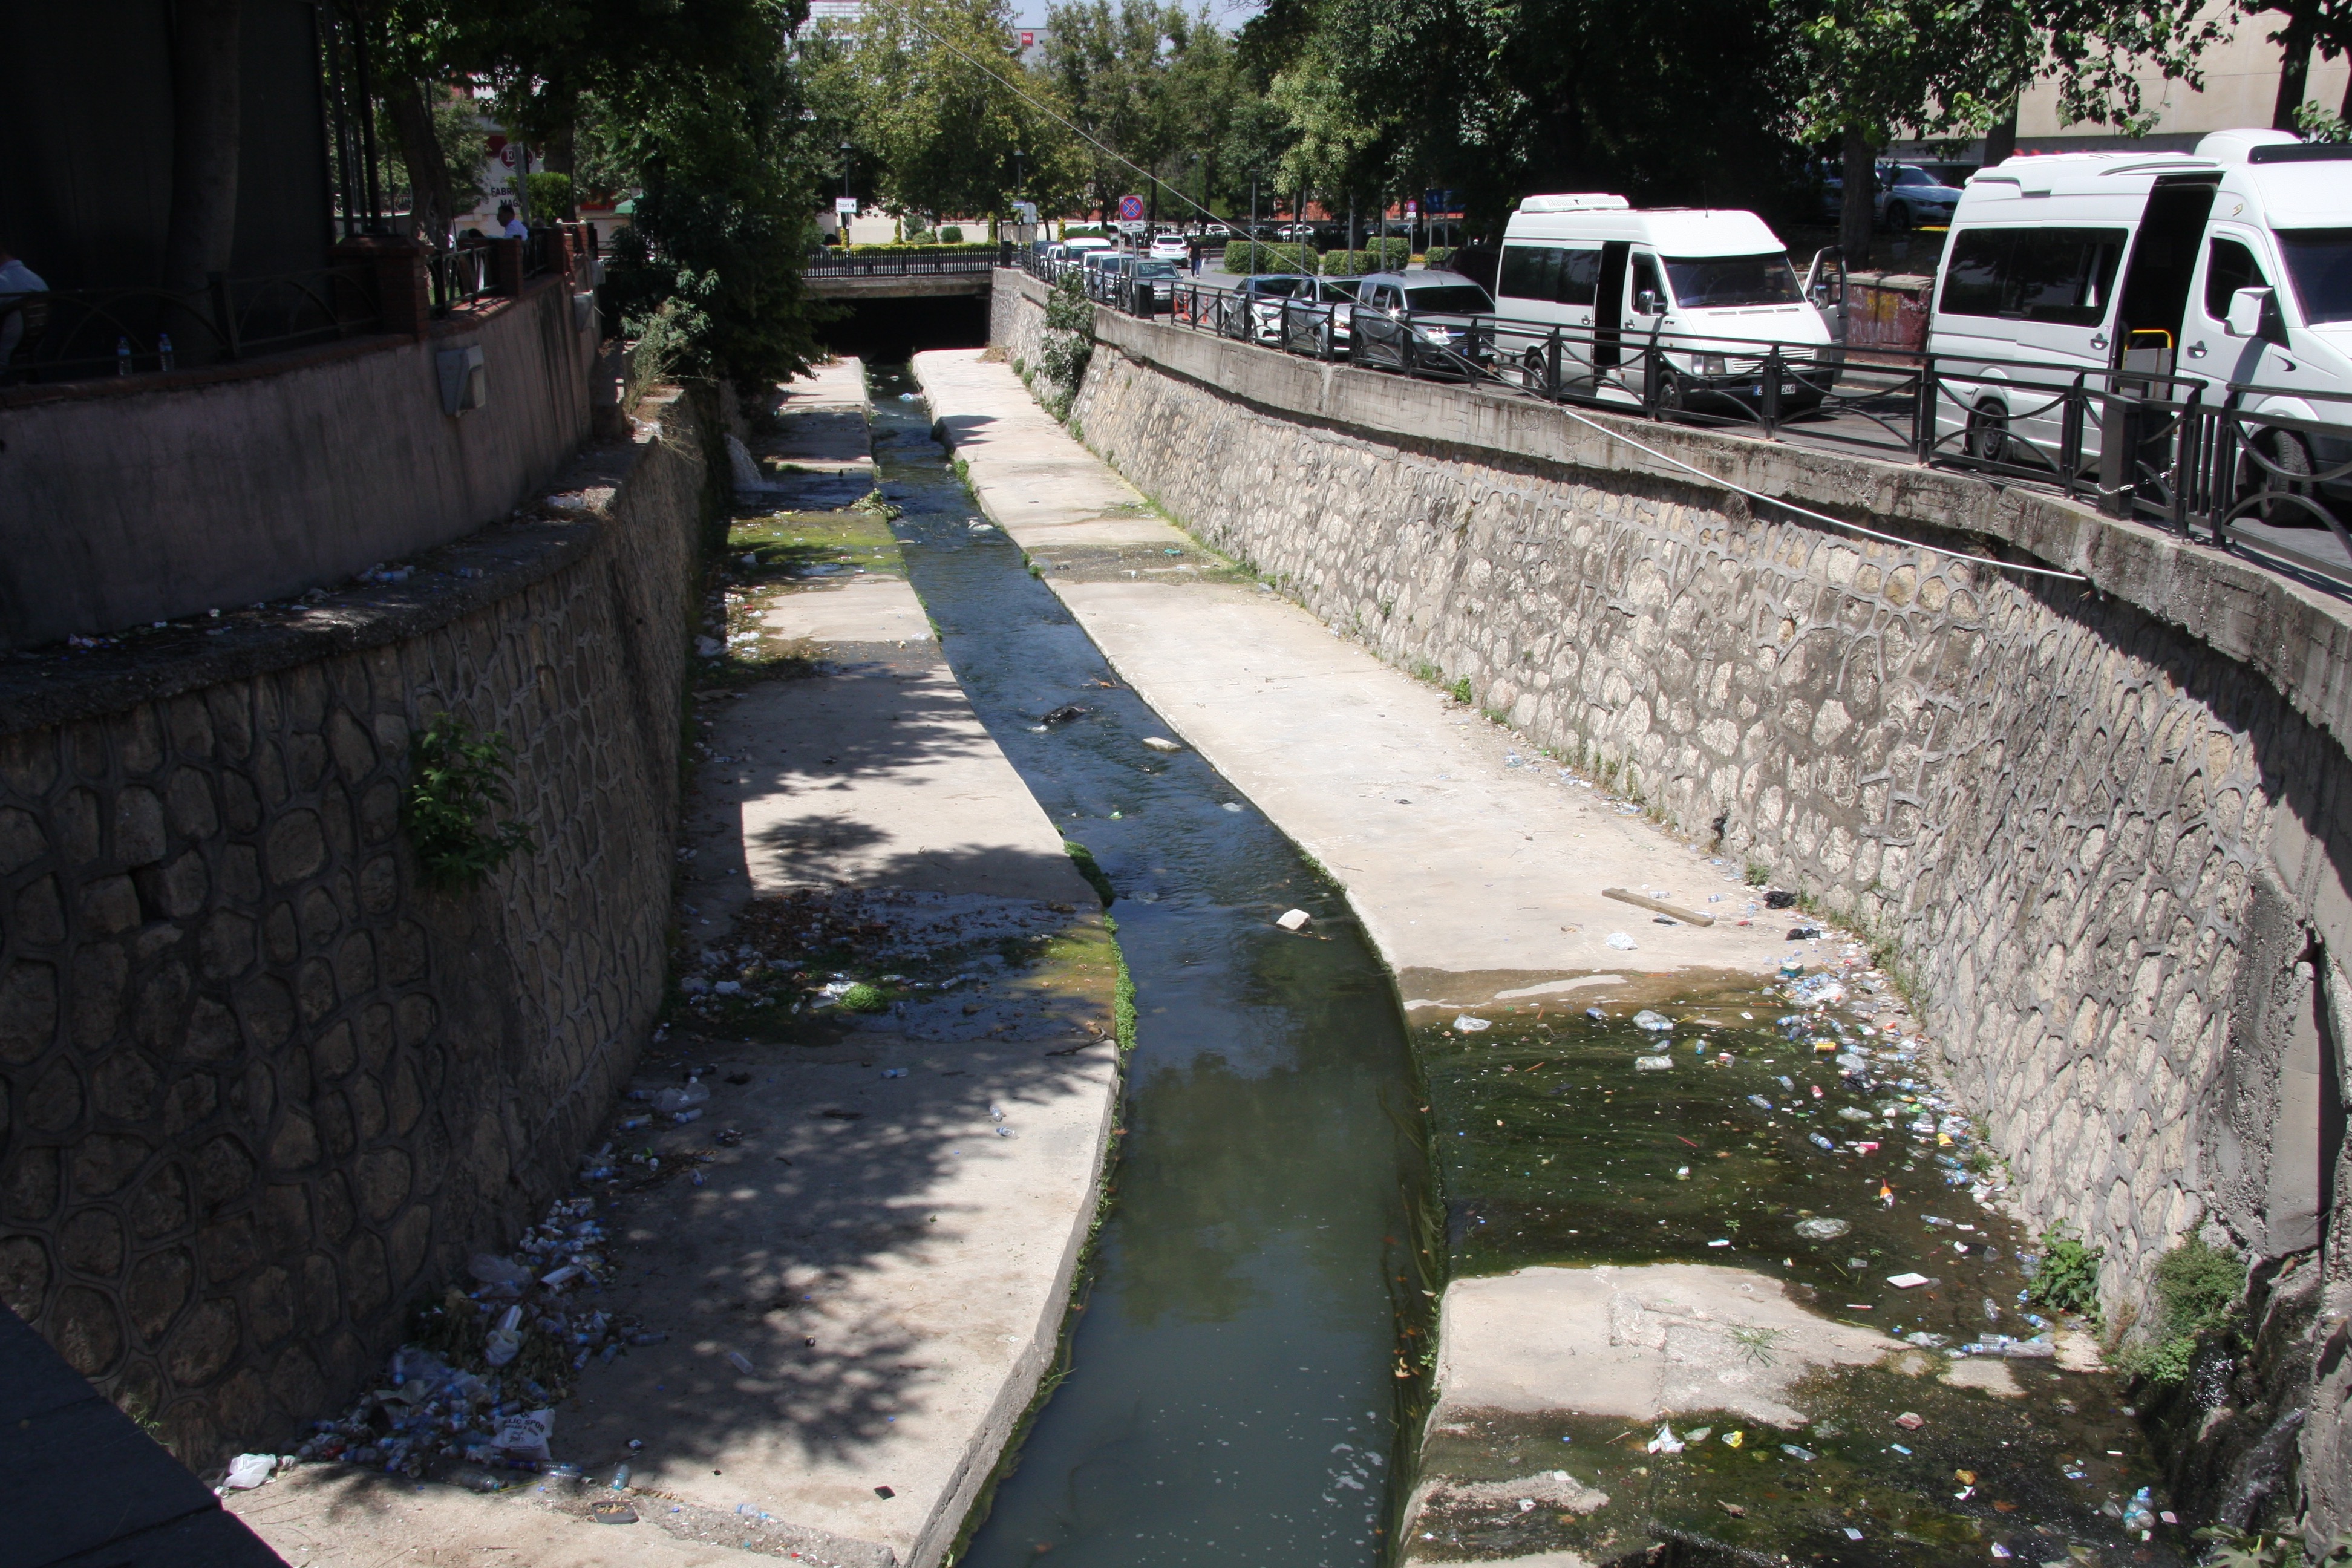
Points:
x=956 y=264
x=2185 y=453
x=74 y=334
x=460 y=276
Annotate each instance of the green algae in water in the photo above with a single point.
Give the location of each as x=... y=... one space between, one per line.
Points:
x=1557 y=1150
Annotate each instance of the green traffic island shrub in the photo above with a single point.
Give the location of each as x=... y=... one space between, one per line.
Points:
x=1439 y=258
x=1378 y=255
x=457 y=779
x=1250 y=259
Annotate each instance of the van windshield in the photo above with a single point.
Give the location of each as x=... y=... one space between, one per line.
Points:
x=2320 y=262
x=1462 y=298
x=1714 y=282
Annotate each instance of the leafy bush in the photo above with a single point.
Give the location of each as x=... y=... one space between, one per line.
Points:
x=1378 y=255
x=1069 y=340
x=921 y=236
x=1438 y=257
x=951 y=234
x=864 y=998
x=977 y=248
x=550 y=197
x=458 y=777
x=2068 y=1280
x=2198 y=1289
x=1247 y=258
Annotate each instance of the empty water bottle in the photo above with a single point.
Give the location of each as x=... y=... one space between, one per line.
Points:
x=122 y=356
x=503 y=1344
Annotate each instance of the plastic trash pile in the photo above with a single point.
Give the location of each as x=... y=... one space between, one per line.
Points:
x=486 y=1368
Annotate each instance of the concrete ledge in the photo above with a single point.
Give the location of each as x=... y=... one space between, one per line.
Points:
x=888 y=287
x=61 y=684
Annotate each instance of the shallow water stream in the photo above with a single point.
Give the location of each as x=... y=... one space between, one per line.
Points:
x=1232 y=1392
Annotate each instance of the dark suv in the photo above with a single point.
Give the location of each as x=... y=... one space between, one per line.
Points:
x=1426 y=324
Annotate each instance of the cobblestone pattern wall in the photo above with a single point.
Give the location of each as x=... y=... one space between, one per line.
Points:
x=2096 y=847
x=261 y=1089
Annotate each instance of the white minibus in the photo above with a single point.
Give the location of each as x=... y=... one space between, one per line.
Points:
x=1705 y=287
x=2230 y=265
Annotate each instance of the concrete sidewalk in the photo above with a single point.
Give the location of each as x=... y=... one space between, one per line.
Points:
x=861 y=1251
x=1474 y=875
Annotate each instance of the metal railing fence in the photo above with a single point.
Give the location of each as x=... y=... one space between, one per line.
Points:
x=962 y=264
x=2183 y=453
x=75 y=335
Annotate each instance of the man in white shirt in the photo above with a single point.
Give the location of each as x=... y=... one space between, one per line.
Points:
x=510 y=225
x=16 y=280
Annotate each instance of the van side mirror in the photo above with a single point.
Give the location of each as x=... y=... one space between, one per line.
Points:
x=1645 y=303
x=2249 y=312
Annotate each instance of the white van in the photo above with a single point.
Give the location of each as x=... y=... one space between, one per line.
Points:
x=1705 y=286
x=2229 y=265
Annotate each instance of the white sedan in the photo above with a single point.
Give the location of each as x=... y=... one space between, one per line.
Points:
x=1170 y=247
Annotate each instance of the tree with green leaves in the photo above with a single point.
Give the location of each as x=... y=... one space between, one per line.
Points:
x=1146 y=80
x=930 y=96
x=1875 y=70
x=697 y=105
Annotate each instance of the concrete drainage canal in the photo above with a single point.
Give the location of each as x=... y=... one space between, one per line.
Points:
x=1729 y=1282
x=1232 y=1387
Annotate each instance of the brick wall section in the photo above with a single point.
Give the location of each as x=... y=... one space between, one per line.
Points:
x=2099 y=848
x=262 y=1089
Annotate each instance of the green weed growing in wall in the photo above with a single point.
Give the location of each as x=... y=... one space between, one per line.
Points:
x=458 y=780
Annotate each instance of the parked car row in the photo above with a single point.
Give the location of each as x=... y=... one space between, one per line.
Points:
x=2219 y=279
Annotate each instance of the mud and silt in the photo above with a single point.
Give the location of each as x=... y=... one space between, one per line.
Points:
x=1671 y=1194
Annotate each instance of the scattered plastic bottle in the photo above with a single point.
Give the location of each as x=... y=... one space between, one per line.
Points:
x=503 y=1344
x=621 y=1477
x=122 y=356
x=164 y=353
x=683 y=1096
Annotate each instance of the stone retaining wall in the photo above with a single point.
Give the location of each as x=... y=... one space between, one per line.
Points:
x=262 y=1089
x=2106 y=855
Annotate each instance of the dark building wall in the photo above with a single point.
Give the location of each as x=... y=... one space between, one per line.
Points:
x=86 y=142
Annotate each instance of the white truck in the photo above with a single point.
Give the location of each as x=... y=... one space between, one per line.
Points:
x=1706 y=289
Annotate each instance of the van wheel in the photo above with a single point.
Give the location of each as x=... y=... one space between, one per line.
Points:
x=1671 y=399
x=1534 y=373
x=2284 y=452
x=1987 y=437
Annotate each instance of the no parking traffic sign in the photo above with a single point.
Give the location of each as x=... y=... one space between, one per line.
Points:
x=1130 y=207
